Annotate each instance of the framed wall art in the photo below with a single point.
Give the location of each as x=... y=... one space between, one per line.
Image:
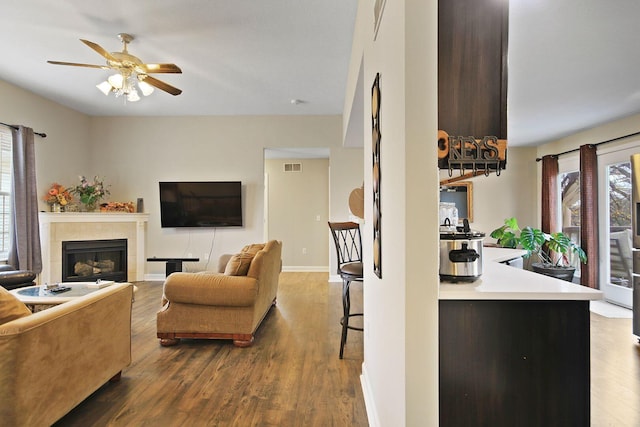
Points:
x=376 y=137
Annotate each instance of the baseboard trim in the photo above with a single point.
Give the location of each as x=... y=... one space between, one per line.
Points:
x=305 y=269
x=290 y=269
x=335 y=278
x=369 y=405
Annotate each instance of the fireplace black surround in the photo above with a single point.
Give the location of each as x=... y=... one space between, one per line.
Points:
x=90 y=260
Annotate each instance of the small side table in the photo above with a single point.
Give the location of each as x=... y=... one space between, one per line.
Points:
x=173 y=264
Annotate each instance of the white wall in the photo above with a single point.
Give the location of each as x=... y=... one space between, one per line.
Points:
x=63 y=154
x=400 y=369
x=139 y=152
x=133 y=153
x=512 y=194
x=346 y=174
x=594 y=135
x=298 y=212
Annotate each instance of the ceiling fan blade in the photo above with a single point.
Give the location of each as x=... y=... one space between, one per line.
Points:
x=75 y=64
x=161 y=68
x=162 y=85
x=99 y=49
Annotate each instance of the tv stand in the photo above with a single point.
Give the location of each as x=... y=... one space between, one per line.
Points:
x=172 y=264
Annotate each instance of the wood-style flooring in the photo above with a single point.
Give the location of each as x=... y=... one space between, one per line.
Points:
x=292 y=376
x=615 y=373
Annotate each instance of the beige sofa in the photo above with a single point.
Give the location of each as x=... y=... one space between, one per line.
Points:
x=223 y=305
x=54 y=359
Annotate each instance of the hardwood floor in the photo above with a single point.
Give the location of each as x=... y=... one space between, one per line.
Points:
x=615 y=373
x=292 y=376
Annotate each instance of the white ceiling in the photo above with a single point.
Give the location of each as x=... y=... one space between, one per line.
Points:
x=573 y=64
x=237 y=56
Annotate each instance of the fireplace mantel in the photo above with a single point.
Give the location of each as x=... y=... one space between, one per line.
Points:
x=56 y=228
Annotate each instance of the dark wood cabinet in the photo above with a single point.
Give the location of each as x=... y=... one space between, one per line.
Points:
x=472 y=67
x=514 y=363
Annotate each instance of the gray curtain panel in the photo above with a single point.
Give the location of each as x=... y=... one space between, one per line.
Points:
x=24 y=248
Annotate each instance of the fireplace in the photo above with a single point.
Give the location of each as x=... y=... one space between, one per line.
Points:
x=90 y=260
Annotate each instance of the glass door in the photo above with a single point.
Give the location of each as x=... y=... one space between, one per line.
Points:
x=569 y=209
x=615 y=227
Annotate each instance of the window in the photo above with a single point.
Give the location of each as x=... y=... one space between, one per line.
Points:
x=5 y=191
x=569 y=197
x=570 y=209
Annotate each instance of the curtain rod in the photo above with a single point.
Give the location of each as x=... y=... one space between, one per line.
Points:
x=42 y=134
x=595 y=145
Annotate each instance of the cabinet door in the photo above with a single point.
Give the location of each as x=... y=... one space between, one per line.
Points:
x=472 y=67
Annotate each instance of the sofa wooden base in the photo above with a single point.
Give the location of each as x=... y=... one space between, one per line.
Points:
x=168 y=339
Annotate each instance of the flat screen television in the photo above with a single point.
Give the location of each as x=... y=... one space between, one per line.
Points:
x=201 y=204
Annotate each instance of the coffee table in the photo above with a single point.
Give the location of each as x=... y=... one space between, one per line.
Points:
x=38 y=295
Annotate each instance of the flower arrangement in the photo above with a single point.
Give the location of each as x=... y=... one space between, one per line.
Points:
x=57 y=194
x=90 y=193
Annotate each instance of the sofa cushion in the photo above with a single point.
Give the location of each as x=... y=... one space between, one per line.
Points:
x=10 y=307
x=253 y=248
x=239 y=264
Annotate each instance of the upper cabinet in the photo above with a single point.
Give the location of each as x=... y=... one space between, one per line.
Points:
x=472 y=67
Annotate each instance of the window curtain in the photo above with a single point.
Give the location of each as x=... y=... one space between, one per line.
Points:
x=24 y=246
x=589 y=214
x=549 y=194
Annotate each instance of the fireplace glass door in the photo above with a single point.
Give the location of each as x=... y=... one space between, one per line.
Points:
x=90 y=260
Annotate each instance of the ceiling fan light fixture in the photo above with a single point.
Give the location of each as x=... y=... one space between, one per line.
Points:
x=133 y=96
x=116 y=80
x=105 y=87
x=145 y=88
x=130 y=72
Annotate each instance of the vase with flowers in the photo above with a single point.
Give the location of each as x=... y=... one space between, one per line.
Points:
x=57 y=197
x=90 y=193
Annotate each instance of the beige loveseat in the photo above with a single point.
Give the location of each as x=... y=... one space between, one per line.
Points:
x=223 y=305
x=52 y=360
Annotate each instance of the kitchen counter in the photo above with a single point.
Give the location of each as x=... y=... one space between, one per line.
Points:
x=514 y=348
x=503 y=282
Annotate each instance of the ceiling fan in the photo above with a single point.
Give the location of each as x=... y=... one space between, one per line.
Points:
x=130 y=71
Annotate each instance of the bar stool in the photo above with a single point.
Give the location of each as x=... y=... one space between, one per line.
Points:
x=348 y=241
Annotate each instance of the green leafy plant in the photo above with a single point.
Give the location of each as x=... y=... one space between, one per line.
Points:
x=551 y=249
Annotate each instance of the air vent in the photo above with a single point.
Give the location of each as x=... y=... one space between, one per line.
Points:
x=293 y=167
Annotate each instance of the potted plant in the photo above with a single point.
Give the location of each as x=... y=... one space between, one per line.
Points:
x=552 y=249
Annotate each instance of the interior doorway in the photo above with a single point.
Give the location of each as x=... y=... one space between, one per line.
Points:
x=296 y=205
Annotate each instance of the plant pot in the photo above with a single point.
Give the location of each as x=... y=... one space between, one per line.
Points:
x=562 y=273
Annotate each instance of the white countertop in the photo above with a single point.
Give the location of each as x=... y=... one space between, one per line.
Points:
x=503 y=282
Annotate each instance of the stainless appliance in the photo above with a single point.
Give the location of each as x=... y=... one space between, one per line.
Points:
x=635 y=222
x=460 y=254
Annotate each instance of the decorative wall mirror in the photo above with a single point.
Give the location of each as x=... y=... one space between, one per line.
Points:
x=460 y=193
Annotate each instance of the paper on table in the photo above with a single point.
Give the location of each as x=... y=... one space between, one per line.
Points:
x=100 y=284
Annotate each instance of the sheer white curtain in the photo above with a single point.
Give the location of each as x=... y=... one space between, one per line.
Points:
x=24 y=249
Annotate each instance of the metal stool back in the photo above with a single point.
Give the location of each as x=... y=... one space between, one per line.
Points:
x=348 y=241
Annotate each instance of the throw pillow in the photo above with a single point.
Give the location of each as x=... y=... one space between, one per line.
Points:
x=239 y=264
x=253 y=249
x=10 y=307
